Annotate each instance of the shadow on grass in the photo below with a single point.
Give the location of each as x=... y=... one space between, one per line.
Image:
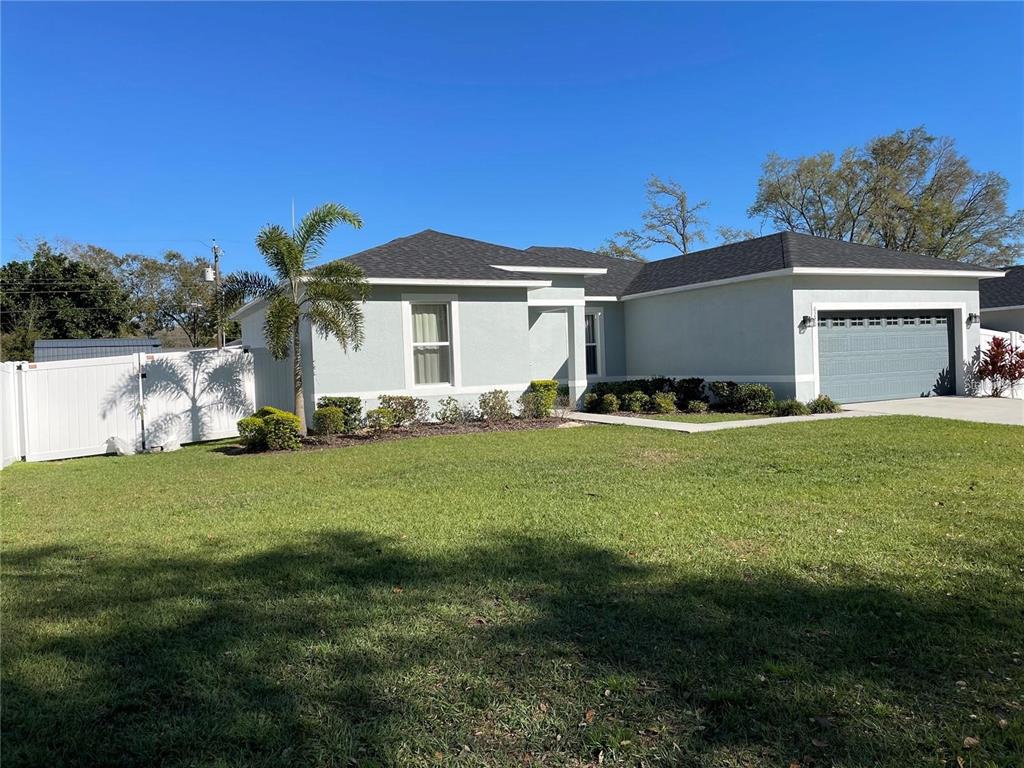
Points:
x=351 y=650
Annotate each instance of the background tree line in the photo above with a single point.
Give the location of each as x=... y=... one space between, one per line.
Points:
x=908 y=191
x=71 y=291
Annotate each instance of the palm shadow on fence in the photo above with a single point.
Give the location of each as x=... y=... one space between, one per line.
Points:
x=186 y=395
x=353 y=650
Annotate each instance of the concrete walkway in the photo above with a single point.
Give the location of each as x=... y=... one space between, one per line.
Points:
x=989 y=410
x=712 y=426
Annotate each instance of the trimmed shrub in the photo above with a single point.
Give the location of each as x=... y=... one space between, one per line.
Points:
x=534 y=405
x=689 y=391
x=590 y=401
x=824 y=404
x=791 y=408
x=495 y=406
x=270 y=428
x=406 y=409
x=330 y=421
x=351 y=406
x=608 y=404
x=724 y=394
x=250 y=430
x=696 y=406
x=281 y=431
x=663 y=402
x=548 y=391
x=381 y=419
x=635 y=402
x=451 y=411
x=754 y=398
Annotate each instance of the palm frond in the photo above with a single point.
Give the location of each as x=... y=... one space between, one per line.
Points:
x=240 y=287
x=342 y=274
x=279 y=326
x=341 y=319
x=312 y=232
x=280 y=251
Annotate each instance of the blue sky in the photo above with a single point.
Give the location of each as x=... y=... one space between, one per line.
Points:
x=143 y=127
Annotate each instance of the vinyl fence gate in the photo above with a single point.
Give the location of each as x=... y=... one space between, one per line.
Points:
x=68 y=408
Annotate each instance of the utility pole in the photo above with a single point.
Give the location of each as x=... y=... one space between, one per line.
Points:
x=216 y=292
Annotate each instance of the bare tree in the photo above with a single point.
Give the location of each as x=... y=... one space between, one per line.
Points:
x=669 y=220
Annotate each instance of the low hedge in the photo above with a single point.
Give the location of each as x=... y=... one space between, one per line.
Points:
x=352 y=407
x=546 y=394
x=270 y=429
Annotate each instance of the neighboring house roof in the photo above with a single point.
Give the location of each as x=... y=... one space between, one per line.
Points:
x=47 y=350
x=1005 y=291
x=430 y=255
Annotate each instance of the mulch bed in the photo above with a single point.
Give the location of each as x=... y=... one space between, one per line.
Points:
x=427 y=430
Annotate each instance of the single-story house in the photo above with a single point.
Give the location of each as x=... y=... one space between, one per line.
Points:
x=1002 y=301
x=452 y=316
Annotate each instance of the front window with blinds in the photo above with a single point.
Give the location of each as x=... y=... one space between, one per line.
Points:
x=431 y=344
x=591 y=343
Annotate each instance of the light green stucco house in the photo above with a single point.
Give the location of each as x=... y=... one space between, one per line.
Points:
x=451 y=316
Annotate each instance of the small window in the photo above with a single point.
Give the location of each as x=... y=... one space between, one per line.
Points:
x=856 y=321
x=875 y=321
x=892 y=321
x=838 y=322
x=822 y=322
x=590 y=326
x=431 y=344
x=924 y=321
x=908 y=321
x=940 y=321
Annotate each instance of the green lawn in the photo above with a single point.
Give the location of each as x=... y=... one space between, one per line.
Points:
x=701 y=418
x=841 y=593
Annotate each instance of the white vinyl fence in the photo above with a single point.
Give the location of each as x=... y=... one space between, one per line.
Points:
x=982 y=388
x=68 y=408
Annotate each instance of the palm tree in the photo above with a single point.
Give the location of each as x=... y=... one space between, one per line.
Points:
x=327 y=296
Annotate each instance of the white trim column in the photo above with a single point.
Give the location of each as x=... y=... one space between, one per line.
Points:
x=577 y=352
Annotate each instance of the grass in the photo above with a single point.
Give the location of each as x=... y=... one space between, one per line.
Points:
x=844 y=593
x=702 y=418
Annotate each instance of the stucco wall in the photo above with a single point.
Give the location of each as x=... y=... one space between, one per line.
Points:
x=549 y=343
x=1003 y=319
x=813 y=294
x=613 y=329
x=739 y=331
x=491 y=336
x=273 y=378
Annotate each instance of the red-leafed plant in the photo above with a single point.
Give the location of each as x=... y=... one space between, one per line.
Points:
x=1002 y=366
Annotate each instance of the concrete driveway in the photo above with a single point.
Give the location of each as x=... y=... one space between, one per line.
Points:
x=991 y=410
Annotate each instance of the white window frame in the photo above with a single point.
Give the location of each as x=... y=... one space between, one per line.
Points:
x=598 y=315
x=454 y=357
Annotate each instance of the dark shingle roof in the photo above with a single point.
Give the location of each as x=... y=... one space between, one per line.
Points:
x=436 y=255
x=620 y=272
x=1005 y=291
x=782 y=250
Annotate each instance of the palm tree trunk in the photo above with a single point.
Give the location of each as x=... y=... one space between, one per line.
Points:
x=300 y=401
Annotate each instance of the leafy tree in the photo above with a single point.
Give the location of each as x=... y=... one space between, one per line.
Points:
x=326 y=296
x=169 y=293
x=734 y=235
x=53 y=296
x=908 y=191
x=669 y=220
x=616 y=250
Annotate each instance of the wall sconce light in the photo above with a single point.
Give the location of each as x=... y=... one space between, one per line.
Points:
x=973 y=318
x=807 y=322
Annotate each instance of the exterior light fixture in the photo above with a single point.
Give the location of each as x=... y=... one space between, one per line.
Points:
x=973 y=318
x=807 y=322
